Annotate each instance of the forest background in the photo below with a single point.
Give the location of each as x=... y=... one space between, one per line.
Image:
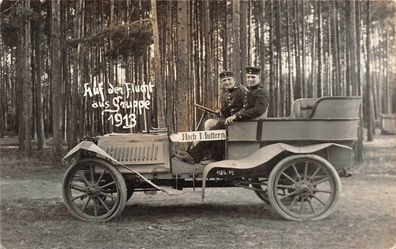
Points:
x=306 y=48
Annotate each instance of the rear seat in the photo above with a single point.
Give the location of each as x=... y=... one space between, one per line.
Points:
x=303 y=108
x=326 y=107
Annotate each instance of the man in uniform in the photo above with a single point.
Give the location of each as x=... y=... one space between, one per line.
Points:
x=231 y=102
x=255 y=102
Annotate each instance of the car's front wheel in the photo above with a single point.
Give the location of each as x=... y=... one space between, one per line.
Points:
x=94 y=190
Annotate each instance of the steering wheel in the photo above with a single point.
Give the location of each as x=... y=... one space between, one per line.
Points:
x=205 y=109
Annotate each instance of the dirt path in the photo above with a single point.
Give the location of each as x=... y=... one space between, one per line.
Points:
x=33 y=215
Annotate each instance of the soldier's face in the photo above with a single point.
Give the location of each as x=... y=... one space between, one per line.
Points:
x=227 y=82
x=252 y=79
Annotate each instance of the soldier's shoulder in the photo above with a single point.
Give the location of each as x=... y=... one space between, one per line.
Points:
x=261 y=90
x=241 y=89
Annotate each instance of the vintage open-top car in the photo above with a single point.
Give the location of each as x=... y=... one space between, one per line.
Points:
x=290 y=163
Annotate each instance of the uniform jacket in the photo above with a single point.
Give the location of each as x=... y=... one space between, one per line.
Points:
x=232 y=101
x=255 y=103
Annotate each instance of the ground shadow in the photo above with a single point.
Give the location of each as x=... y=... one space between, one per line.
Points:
x=201 y=210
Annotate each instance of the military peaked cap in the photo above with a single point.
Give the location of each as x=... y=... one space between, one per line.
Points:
x=226 y=74
x=253 y=70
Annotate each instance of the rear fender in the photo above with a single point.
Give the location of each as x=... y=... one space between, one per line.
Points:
x=92 y=147
x=262 y=156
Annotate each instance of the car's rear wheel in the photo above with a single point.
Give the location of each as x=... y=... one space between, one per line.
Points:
x=304 y=187
x=94 y=190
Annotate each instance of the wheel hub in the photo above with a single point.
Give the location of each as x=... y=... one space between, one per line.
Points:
x=303 y=188
x=93 y=190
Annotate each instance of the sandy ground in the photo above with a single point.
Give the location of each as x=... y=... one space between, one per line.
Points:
x=33 y=214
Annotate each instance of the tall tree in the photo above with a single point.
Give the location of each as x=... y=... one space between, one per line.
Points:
x=303 y=82
x=368 y=77
x=359 y=146
x=320 y=45
x=209 y=76
x=243 y=39
x=76 y=61
x=27 y=95
x=182 y=67
x=289 y=92
x=56 y=77
x=160 y=91
x=37 y=87
x=261 y=45
x=298 y=89
x=236 y=35
x=352 y=46
x=3 y=83
x=281 y=87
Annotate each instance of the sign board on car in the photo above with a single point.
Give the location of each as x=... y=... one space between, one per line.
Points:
x=195 y=136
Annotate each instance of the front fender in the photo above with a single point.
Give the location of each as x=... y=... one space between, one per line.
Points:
x=89 y=146
x=262 y=156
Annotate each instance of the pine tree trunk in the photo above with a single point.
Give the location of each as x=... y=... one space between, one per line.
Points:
x=160 y=87
x=311 y=86
x=27 y=95
x=182 y=67
x=226 y=39
x=56 y=78
x=359 y=145
x=281 y=87
x=334 y=31
x=170 y=86
x=19 y=80
x=272 y=104
x=210 y=87
x=261 y=19
x=388 y=84
x=73 y=133
x=352 y=45
x=337 y=49
x=3 y=83
x=243 y=40
x=38 y=90
x=368 y=78
x=236 y=34
x=303 y=82
x=320 y=45
x=298 y=91
x=289 y=92
x=358 y=53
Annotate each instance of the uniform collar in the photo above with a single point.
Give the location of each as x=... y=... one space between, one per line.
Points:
x=232 y=89
x=254 y=87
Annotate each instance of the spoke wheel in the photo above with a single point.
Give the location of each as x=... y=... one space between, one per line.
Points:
x=304 y=187
x=94 y=190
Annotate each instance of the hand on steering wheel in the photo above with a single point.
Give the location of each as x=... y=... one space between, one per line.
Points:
x=205 y=109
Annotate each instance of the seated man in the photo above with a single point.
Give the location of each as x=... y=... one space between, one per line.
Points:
x=255 y=102
x=232 y=102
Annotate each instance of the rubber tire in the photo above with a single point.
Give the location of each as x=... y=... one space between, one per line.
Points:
x=119 y=181
x=278 y=167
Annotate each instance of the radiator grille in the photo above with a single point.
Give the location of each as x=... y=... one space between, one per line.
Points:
x=137 y=154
